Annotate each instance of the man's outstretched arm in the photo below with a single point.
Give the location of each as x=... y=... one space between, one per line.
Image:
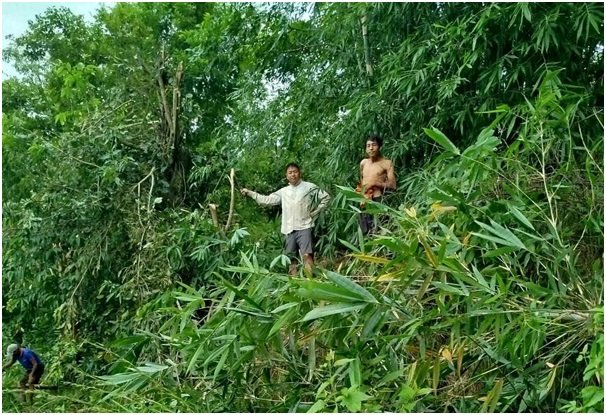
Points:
x=269 y=200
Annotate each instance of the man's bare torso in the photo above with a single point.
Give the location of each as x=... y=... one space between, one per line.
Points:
x=375 y=175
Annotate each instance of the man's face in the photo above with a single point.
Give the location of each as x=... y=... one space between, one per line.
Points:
x=293 y=175
x=372 y=148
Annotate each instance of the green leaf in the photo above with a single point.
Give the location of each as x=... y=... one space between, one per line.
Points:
x=187 y=297
x=449 y=288
x=119 y=378
x=283 y=307
x=499 y=251
x=592 y=395
x=332 y=309
x=520 y=216
x=353 y=398
x=151 y=368
x=480 y=278
x=391 y=376
x=492 y=399
x=350 y=286
x=239 y=293
x=355 y=372
x=442 y=140
x=502 y=235
x=526 y=11
x=221 y=363
x=507 y=235
x=320 y=291
x=247 y=312
x=318 y=406
x=311 y=363
x=127 y=341
x=194 y=359
x=283 y=259
x=372 y=324
x=349 y=246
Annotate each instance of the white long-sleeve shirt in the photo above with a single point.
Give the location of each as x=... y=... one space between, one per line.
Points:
x=300 y=204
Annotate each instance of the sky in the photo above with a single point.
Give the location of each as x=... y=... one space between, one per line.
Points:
x=15 y=16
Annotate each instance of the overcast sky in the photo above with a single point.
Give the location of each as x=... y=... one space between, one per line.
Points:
x=15 y=16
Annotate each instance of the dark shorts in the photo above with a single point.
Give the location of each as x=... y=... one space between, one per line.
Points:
x=368 y=223
x=37 y=375
x=299 y=242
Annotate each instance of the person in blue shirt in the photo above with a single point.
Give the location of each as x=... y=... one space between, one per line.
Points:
x=30 y=361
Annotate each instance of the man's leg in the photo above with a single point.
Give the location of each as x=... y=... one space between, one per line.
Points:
x=305 y=242
x=308 y=261
x=37 y=374
x=291 y=250
x=367 y=223
x=24 y=380
x=23 y=386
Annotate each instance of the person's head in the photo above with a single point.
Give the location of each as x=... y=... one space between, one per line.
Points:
x=293 y=173
x=373 y=145
x=11 y=350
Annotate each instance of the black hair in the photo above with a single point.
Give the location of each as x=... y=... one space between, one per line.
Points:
x=295 y=165
x=376 y=138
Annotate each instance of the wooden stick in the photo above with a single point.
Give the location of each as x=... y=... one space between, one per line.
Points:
x=213 y=214
x=232 y=182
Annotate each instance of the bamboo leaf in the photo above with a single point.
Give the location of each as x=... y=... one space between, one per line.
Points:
x=449 y=288
x=240 y=294
x=442 y=140
x=194 y=359
x=355 y=372
x=370 y=258
x=424 y=286
x=520 y=217
x=502 y=235
x=436 y=374
x=492 y=399
x=318 y=406
x=221 y=363
x=312 y=358
x=283 y=307
x=329 y=310
x=349 y=246
x=372 y=324
x=320 y=291
x=350 y=286
x=119 y=378
x=508 y=235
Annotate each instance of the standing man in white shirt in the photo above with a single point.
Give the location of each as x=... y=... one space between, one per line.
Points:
x=301 y=202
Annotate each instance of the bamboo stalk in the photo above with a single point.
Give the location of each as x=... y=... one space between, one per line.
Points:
x=364 y=21
x=176 y=100
x=167 y=110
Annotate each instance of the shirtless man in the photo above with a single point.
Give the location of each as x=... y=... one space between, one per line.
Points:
x=376 y=177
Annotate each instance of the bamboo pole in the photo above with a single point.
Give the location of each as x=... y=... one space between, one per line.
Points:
x=364 y=21
x=213 y=214
x=232 y=182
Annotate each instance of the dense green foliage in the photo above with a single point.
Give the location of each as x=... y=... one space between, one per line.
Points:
x=482 y=292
